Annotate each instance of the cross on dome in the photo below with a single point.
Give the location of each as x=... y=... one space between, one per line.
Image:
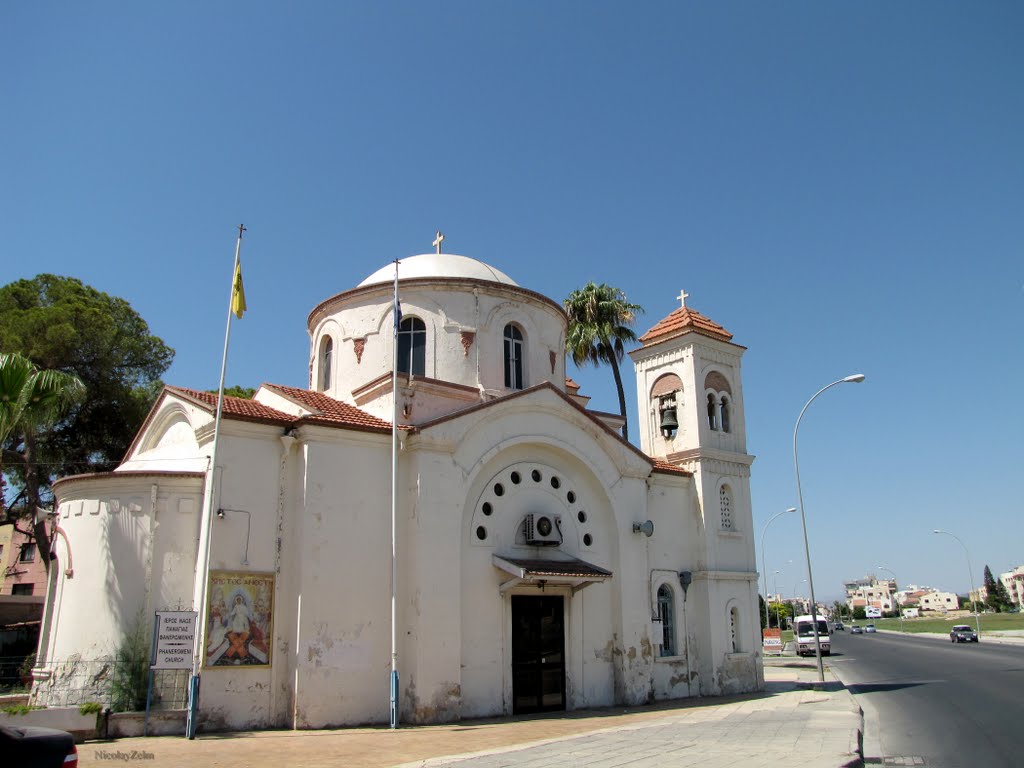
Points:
x=683 y=296
x=437 y=241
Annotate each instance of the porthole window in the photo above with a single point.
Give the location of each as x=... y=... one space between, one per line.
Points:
x=555 y=482
x=536 y=475
x=571 y=497
x=499 y=489
x=581 y=516
x=481 y=532
x=487 y=508
x=516 y=478
x=587 y=539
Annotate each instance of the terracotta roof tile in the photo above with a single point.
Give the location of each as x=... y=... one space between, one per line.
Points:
x=669 y=469
x=323 y=409
x=237 y=407
x=684 y=320
x=328 y=411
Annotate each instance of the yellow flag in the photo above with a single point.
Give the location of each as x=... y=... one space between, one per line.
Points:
x=238 y=292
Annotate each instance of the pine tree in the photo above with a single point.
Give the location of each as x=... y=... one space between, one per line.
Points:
x=996 y=596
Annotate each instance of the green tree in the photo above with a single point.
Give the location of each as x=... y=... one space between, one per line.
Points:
x=62 y=325
x=31 y=401
x=599 y=328
x=996 y=596
x=246 y=393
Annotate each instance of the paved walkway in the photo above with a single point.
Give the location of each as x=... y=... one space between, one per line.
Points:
x=793 y=721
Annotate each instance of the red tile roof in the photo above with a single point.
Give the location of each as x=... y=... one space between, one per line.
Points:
x=684 y=320
x=237 y=407
x=328 y=411
x=669 y=469
x=323 y=409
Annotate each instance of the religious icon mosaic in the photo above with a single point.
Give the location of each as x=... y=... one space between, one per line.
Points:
x=239 y=619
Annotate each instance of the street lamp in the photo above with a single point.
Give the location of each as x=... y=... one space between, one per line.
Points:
x=853 y=379
x=899 y=607
x=795 y=595
x=970 y=572
x=764 y=563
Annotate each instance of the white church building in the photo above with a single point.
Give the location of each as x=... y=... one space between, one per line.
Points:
x=543 y=562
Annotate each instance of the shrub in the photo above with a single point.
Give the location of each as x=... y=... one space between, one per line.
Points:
x=130 y=679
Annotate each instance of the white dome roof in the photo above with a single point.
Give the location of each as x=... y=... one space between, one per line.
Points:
x=438 y=265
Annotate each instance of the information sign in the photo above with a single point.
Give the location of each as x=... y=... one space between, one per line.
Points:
x=175 y=636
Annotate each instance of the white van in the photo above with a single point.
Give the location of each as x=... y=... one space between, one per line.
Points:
x=803 y=636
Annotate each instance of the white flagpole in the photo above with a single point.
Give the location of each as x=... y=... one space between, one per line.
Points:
x=203 y=556
x=394 y=507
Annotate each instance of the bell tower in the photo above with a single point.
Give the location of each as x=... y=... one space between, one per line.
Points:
x=690 y=396
x=690 y=392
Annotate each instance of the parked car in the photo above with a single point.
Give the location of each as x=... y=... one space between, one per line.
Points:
x=869 y=627
x=28 y=746
x=963 y=633
x=856 y=630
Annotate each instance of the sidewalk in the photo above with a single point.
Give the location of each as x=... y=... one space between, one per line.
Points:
x=766 y=729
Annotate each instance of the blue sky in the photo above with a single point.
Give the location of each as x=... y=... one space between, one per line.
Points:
x=838 y=184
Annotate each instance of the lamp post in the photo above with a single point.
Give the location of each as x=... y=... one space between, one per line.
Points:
x=853 y=379
x=795 y=596
x=970 y=572
x=764 y=563
x=899 y=607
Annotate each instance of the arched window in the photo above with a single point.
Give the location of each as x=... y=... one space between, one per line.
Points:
x=326 y=360
x=712 y=413
x=734 y=629
x=726 y=420
x=513 y=357
x=412 y=346
x=725 y=507
x=666 y=613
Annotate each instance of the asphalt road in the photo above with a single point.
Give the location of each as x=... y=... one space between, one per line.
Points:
x=930 y=702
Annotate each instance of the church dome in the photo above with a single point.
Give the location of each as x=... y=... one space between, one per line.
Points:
x=443 y=265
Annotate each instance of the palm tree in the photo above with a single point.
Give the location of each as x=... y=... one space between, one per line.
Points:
x=599 y=326
x=31 y=400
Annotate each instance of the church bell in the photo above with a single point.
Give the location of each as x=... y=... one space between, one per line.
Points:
x=669 y=425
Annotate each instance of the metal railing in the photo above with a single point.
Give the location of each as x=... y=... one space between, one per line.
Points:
x=72 y=682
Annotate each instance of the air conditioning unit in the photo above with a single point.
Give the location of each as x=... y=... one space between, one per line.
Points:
x=543 y=530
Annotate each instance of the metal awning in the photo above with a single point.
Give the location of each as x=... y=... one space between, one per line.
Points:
x=572 y=572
